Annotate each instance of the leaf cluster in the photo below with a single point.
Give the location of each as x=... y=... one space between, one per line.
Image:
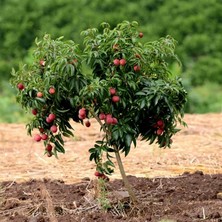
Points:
x=147 y=101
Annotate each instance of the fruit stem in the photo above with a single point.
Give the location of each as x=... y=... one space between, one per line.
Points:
x=119 y=161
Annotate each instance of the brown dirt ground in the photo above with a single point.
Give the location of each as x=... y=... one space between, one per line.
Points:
x=68 y=190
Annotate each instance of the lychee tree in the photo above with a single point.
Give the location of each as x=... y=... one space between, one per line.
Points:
x=130 y=91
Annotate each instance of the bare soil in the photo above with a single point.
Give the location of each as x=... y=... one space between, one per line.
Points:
x=183 y=183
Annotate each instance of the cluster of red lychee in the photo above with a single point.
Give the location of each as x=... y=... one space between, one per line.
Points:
x=113 y=93
x=108 y=118
x=159 y=127
x=101 y=176
x=82 y=115
x=43 y=135
x=122 y=62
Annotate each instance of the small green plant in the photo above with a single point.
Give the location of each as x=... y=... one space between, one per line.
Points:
x=102 y=198
x=130 y=92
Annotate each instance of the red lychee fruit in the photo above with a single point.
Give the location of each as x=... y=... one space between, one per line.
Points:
x=87 y=123
x=141 y=35
x=52 y=116
x=20 y=86
x=160 y=123
x=42 y=62
x=159 y=131
x=53 y=128
x=122 y=62
x=52 y=90
x=136 y=68
x=34 y=112
x=48 y=148
x=37 y=138
x=115 y=121
x=102 y=116
x=44 y=136
x=112 y=91
x=116 y=62
x=115 y=99
x=39 y=94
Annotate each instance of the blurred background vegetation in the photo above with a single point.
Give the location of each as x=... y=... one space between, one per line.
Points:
x=196 y=25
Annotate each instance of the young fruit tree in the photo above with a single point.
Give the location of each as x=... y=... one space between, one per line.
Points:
x=129 y=90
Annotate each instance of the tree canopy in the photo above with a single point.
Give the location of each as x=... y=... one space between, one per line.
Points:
x=196 y=25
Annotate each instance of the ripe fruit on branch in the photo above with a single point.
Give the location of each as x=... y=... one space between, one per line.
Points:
x=87 y=123
x=116 y=62
x=98 y=174
x=159 y=132
x=160 y=123
x=102 y=116
x=53 y=128
x=115 y=99
x=34 y=111
x=44 y=136
x=48 y=148
x=141 y=35
x=112 y=91
x=48 y=120
x=115 y=121
x=103 y=177
x=41 y=130
x=20 y=86
x=136 y=68
x=37 y=138
x=52 y=90
x=109 y=119
x=52 y=117
x=42 y=62
x=122 y=62
x=82 y=116
x=39 y=94
x=49 y=154
x=82 y=113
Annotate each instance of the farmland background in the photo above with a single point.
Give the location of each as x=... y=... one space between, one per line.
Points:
x=196 y=25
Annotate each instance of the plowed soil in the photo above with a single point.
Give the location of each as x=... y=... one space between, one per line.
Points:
x=183 y=183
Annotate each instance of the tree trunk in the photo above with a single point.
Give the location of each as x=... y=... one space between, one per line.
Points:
x=124 y=177
x=120 y=164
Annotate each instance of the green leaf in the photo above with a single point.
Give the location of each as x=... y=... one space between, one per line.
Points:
x=140 y=94
x=128 y=140
x=59 y=138
x=92 y=150
x=92 y=156
x=59 y=147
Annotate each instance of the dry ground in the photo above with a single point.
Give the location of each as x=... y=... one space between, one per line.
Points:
x=197 y=147
x=35 y=188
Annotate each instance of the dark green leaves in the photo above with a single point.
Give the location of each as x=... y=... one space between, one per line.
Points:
x=145 y=100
